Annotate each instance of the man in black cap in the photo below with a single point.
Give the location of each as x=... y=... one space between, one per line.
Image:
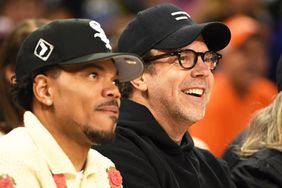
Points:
x=153 y=148
x=66 y=79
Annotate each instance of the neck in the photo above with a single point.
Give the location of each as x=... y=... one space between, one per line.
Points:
x=175 y=128
x=74 y=150
x=72 y=146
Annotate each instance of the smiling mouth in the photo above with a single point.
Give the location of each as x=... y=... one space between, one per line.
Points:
x=194 y=92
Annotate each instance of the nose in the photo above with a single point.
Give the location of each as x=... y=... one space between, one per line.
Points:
x=111 y=90
x=200 y=69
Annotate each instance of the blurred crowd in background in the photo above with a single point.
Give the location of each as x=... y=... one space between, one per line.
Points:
x=114 y=14
x=248 y=65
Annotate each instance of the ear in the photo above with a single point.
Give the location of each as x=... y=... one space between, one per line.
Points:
x=41 y=89
x=140 y=83
x=9 y=73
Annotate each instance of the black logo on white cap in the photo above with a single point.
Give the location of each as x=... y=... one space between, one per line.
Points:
x=43 y=49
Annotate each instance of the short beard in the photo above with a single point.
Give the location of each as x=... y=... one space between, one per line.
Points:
x=99 y=137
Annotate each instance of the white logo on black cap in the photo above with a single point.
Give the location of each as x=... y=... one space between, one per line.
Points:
x=101 y=34
x=43 y=49
x=180 y=15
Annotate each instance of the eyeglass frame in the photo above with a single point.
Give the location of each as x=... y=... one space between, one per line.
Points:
x=177 y=53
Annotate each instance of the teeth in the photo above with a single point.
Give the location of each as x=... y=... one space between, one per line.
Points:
x=198 y=92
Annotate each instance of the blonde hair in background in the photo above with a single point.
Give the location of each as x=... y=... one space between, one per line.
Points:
x=265 y=129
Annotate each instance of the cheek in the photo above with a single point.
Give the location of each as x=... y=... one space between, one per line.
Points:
x=73 y=98
x=161 y=84
x=211 y=81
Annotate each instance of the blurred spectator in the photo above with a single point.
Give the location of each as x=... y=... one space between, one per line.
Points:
x=113 y=15
x=254 y=8
x=134 y=6
x=11 y=114
x=230 y=155
x=268 y=11
x=14 y=11
x=240 y=86
x=106 y=12
x=101 y=10
x=74 y=6
x=261 y=150
x=115 y=28
x=201 y=10
x=5 y=28
x=276 y=45
x=58 y=9
x=18 y=10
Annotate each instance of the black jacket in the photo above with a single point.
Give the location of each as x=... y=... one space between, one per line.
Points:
x=148 y=158
x=262 y=170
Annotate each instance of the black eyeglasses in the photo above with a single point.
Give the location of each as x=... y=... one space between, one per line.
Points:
x=188 y=58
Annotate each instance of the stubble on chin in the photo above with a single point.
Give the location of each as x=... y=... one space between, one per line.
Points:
x=98 y=137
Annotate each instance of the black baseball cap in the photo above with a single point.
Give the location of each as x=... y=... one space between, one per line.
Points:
x=167 y=27
x=72 y=41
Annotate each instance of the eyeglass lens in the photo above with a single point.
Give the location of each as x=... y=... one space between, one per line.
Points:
x=189 y=58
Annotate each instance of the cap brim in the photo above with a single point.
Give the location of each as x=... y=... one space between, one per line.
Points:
x=216 y=35
x=129 y=66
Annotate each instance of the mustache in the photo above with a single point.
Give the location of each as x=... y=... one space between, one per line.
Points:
x=108 y=103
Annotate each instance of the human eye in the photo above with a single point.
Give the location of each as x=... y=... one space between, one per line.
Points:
x=211 y=57
x=93 y=75
x=116 y=82
x=187 y=59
